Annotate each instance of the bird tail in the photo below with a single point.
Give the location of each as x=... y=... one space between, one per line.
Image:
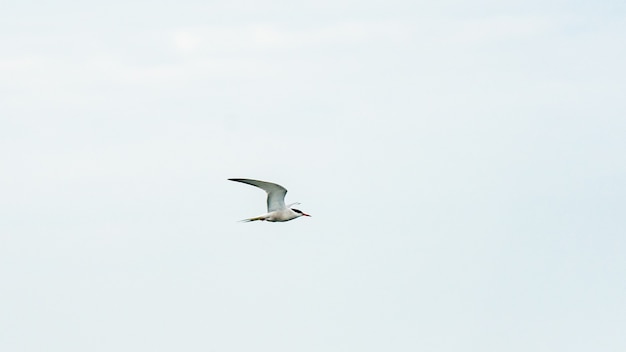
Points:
x=253 y=219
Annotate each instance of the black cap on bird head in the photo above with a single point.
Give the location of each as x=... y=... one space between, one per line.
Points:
x=300 y=212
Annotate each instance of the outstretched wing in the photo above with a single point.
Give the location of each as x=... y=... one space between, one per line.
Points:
x=275 y=193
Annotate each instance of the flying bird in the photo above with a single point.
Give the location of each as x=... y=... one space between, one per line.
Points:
x=277 y=211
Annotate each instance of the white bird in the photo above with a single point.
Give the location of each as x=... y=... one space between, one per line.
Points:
x=276 y=208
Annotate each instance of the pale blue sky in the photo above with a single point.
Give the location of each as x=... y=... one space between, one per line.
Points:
x=464 y=163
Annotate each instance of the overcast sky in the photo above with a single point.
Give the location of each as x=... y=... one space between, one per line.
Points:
x=464 y=164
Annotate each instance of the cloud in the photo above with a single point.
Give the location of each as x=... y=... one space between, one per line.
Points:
x=272 y=36
x=498 y=28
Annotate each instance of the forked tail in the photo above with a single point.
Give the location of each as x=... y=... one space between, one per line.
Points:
x=253 y=219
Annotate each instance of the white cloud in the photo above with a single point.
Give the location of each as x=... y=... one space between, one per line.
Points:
x=10 y=65
x=186 y=41
x=492 y=29
x=271 y=36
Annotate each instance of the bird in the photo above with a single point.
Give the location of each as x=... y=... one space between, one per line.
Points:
x=277 y=211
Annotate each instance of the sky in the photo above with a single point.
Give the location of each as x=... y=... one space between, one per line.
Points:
x=463 y=163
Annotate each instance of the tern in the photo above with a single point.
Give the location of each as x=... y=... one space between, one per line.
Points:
x=277 y=211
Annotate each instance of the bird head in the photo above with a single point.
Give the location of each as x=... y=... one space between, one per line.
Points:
x=300 y=212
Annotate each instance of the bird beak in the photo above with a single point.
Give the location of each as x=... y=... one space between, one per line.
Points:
x=305 y=214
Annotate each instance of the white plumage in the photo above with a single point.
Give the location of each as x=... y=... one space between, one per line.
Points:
x=276 y=209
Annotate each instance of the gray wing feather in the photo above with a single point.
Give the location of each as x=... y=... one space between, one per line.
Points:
x=275 y=193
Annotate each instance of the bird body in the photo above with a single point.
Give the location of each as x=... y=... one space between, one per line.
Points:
x=277 y=211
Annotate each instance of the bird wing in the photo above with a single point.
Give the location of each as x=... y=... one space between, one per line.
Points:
x=275 y=193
